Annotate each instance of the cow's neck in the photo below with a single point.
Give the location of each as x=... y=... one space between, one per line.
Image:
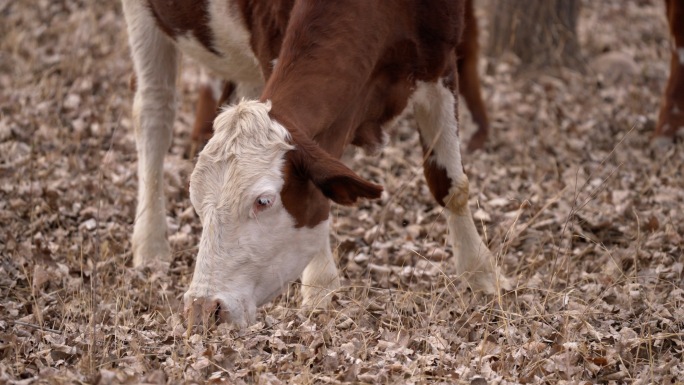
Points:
x=324 y=67
x=318 y=115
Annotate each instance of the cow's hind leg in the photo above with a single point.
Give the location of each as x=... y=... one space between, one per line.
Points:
x=213 y=95
x=319 y=279
x=156 y=63
x=671 y=115
x=469 y=79
x=435 y=112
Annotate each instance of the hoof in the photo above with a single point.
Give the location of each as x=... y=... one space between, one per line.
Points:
x=662 y=143
x=319 y=298
x=477 y=141
x=491 y=282
x=151 y=254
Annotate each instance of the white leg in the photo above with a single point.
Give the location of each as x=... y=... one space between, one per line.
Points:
x=319 y=279
x=436 y=114
x=156 y=63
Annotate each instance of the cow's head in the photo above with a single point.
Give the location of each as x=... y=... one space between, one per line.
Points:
x=262 y=197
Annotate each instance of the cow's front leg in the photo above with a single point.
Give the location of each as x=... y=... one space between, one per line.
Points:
x=436 y=114
x=320 y=279
x=156 y=63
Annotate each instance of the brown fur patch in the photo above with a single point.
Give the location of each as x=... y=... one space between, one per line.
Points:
x=267 y=21
x=345 y=68
x=180 y=17
x=671 y=116
x=312 y=177
x=437 y=180
x=302 y=199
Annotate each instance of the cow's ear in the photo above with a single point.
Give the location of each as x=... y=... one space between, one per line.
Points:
x=335 y=180
x=342 y=185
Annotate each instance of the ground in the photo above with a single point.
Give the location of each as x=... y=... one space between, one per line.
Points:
x=582 y=212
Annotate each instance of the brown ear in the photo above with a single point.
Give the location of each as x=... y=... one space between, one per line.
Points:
x=341 y=184
x=335 y=180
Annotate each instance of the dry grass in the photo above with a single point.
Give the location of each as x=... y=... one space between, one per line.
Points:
x=580 y=210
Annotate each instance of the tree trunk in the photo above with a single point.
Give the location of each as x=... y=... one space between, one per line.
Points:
x=542 y=33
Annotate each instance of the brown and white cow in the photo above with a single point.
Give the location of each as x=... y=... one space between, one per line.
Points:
x=262 y=185
x=671 y=116
x=213 y=94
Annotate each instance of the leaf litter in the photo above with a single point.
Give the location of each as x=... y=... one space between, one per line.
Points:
x=581 y=211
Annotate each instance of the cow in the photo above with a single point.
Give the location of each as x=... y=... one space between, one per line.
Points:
x=331 y=74
x=671 y=115
x=212 y=95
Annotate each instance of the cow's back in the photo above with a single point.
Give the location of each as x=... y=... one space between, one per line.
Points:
x=236 y=39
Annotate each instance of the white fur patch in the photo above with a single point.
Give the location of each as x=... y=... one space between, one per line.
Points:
x=230 y=38
x=246 y=258
x=246 y=147
x=434 y=106
x=244 y=265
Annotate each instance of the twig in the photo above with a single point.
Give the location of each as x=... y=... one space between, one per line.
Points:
x=36 y=327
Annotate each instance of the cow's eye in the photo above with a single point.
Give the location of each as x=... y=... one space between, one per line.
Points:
x=262 y=203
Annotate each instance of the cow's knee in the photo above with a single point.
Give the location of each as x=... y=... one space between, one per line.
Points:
x=457 y=200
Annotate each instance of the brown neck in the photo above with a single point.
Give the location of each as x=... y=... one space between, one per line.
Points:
x=324 y=67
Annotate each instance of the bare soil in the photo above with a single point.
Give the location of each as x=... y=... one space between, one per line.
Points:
x=583 y=213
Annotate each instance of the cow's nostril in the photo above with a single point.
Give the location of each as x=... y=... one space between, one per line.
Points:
x=205 y=312
x=211 y=309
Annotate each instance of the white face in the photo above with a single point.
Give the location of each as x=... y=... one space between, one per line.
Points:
x=250 y=248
